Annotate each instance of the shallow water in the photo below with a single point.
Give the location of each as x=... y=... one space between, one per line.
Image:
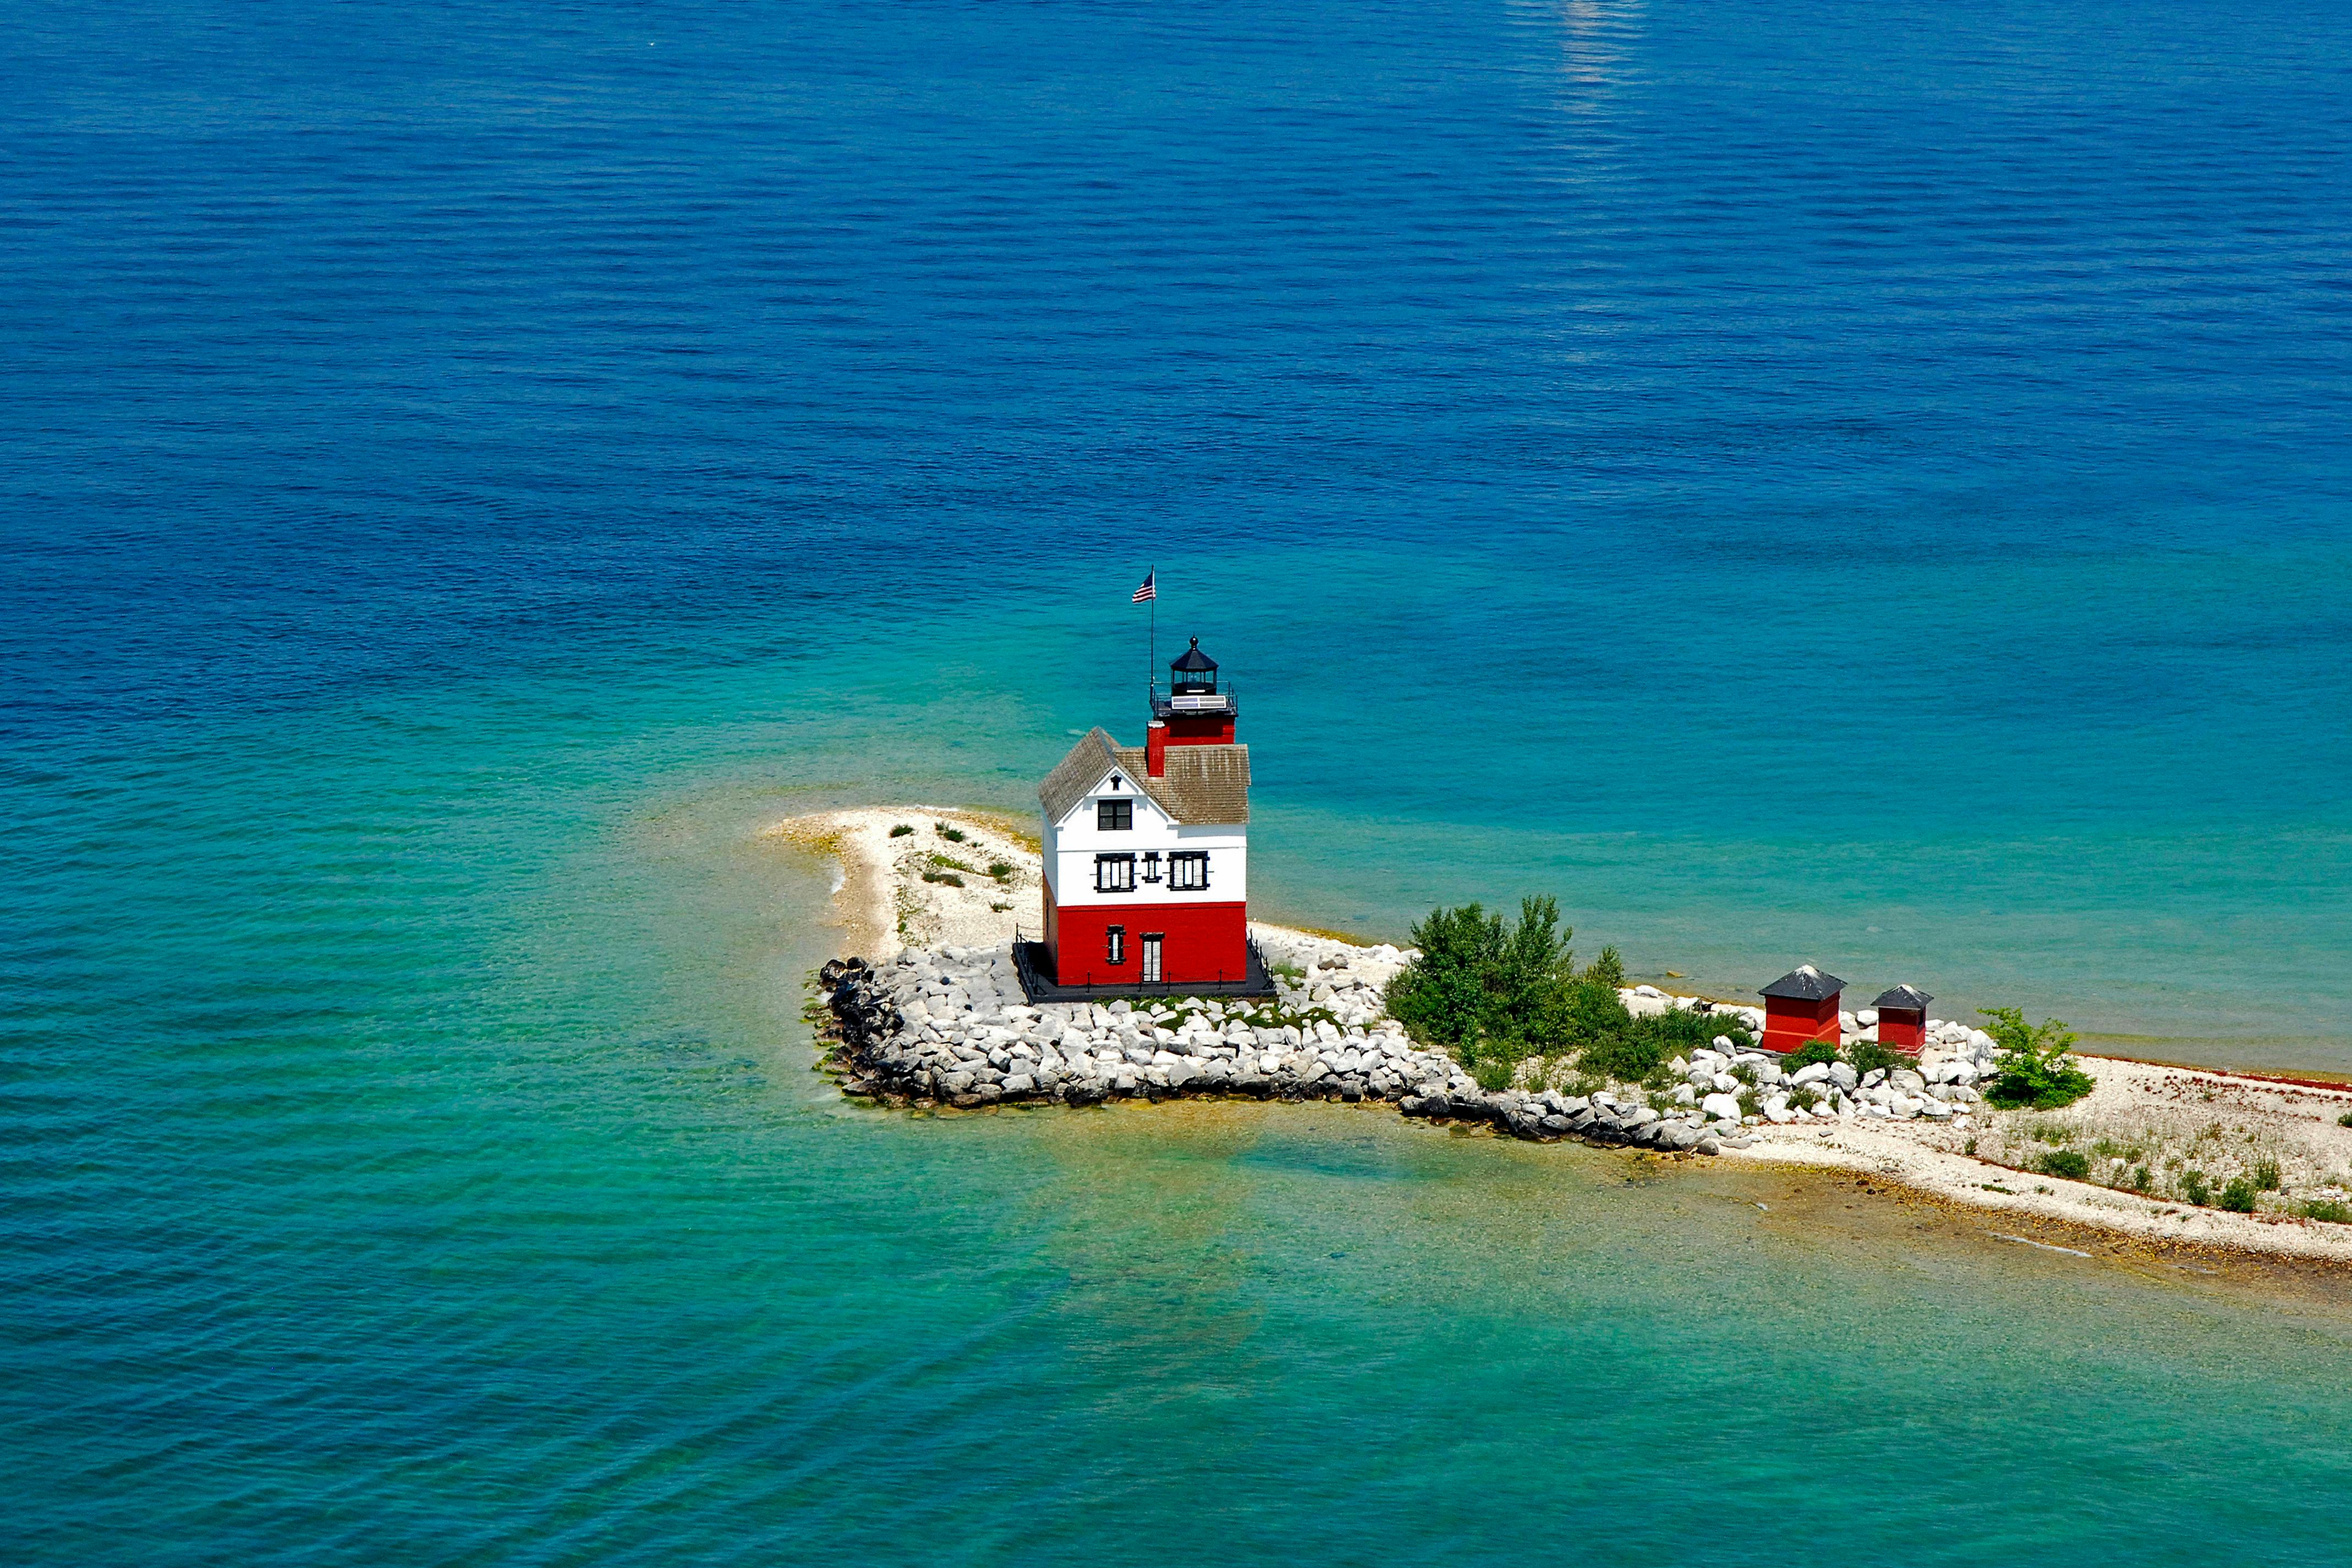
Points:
x=1857 y=485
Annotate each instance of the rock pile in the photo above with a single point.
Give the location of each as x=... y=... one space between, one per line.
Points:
x=952 y=1026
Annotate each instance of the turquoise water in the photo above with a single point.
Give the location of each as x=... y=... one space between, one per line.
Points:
x=1856 y=485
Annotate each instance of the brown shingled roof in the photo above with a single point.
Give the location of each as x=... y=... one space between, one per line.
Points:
x=1204 y=784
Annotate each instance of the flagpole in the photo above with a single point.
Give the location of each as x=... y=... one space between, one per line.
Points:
x=1152 y=649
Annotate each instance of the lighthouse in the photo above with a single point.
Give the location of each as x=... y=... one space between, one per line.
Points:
x=1147 y=856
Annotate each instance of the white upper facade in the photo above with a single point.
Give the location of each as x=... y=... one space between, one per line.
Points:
x=1091 y=859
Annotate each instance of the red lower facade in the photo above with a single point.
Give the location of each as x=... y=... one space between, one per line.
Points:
x=1792 y=1025
x=1198 y=943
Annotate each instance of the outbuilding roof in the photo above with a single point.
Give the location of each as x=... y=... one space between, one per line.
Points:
x=1805 y=984
x=1203 y=784
x=1903 y=999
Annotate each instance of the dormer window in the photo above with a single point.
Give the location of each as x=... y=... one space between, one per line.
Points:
x=1113 y=816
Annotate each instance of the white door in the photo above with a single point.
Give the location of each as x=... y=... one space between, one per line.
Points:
x=1150 y=960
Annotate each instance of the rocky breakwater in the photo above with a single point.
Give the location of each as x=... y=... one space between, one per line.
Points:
x=952 y=1026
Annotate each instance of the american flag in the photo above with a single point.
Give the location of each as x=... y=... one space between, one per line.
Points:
x=1147 y=591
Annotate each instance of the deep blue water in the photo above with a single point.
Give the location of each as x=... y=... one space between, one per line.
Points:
x=1853 y=483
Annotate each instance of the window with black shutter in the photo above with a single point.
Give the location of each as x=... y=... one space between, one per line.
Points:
x=1188 y=870
x=1114 y=873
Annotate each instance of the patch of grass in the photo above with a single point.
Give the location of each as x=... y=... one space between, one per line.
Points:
x=2238 y=1195
x=2109 y=1149
x=1001 y=869
x=999 y=908
x=2266 y=1175
x=944 y=879
x=2345 y=1119
x=1805 y=1098
x=1492 y=1073
x=2196 y=1189
x=1816 y=1051
x=2053 y=1132
x=2142 y=1179
x=2332 y=1210
x=948 y=863
x=901 y=831
x=2073 y=1164
x=952 y=835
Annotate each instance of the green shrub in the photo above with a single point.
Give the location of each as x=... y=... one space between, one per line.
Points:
x=2238 y=1195
x=952 y=835
x=2142 y=1179
x=2196 y=1188
x=900 y=831
x=1484 y=988
x=1606 y=970
x=1001 y=869
x=2033 y=1067
x=948 y=863
x=1492 y=1072
x=945 y=878
x=1870 y=1056
x=1814 y=1051
x=2345 y=1119
x=2070 y=1164
x=2266 y=1175
x=2332 y=1210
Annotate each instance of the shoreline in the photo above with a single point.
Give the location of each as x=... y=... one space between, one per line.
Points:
x=896 y=898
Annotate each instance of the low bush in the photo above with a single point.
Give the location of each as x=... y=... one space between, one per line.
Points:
x=1870 y=1056
x=901 y=831
x=952 y=835
x=1606 y=970
x=1815 y=1051
x=2238 y=1195
x=2070 y=1164
x=2266 y=1175
x=2196 y=1188
x=945 y=878
x=2033 y=1067
x=948 y=863
x=2345 y=1119
x=2332 y=1210
x=1001 y=869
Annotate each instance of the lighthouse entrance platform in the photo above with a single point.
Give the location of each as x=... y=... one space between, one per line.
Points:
x=1034 y=961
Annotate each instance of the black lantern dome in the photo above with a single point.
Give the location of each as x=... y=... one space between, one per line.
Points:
x=1192 y=673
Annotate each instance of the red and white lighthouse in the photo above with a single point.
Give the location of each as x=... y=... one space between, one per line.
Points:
x=1147 y=851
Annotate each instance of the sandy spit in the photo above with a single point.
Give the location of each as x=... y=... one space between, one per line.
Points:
x=885 y=903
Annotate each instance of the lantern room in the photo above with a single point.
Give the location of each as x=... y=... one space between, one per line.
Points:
x=1193 y=712
x=1903 y=1018
x=1800 y=1008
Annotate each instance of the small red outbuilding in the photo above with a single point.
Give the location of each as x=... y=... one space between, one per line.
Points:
x=1800 y=1008
x=1903 y=1018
